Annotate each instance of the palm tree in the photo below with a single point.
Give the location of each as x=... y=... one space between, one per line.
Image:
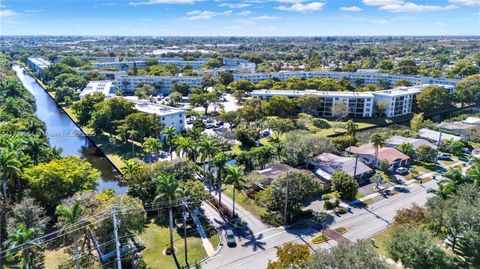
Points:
x=132 y=134
x=378 y=140
x=170 y=132
x=474 y=174
x=456 y=176
x=168 y=188
x=21 y=237
x=130 y=168
x=71 y=215
x=444 y=190
x=219 y=161
x=265 y=155
x=186 y=147
x=208 y=148
x=235 y=178
x=33 y=147
x=351 y=128
x=10 y=168
x=34 y=126
x=152 y=145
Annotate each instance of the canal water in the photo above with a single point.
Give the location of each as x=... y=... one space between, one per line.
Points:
x=63 y=133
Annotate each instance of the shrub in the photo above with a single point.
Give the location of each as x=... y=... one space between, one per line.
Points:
x=321 y=238
x=329 y=204
x=321 y=123
x=342 y=210
x=272 y=219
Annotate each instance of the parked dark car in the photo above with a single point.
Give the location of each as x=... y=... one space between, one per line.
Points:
x=218 y=123
x=208 y=126
x=231 y=241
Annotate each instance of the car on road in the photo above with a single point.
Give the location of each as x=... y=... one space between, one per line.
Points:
x=231 y=241
x=444 y=156
x=401 y=170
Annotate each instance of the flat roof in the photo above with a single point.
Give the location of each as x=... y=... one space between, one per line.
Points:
x=102 y=86
x=152 y=108
x=435 y=135
x=39 y=61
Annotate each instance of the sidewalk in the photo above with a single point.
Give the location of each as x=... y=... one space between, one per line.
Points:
x=206 y=243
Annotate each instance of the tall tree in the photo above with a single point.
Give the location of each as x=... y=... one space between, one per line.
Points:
x=378 y=141
x=235 y=178
x=220 y=161
x=168 y=189
x=71 y=215
x=170 y=133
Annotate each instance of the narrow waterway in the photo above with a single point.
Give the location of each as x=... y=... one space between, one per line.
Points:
x=63 y=133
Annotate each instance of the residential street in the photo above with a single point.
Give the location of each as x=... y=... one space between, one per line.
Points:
x=255 y=249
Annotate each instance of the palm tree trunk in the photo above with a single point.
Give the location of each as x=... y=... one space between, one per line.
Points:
x=77 y=260
x=219 y=186
x=170 y=220
x=4 y=187
x=234 y=201
x=25 y=258
x=376 y=157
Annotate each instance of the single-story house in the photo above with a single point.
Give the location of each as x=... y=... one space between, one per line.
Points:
x=396 y=140
x=472 y=120
x=267 y=176
x=463 y=129
x=326 y=164
x=393 y=157
x=434 y=136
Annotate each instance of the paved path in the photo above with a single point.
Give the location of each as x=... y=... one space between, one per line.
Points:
x=206 y=243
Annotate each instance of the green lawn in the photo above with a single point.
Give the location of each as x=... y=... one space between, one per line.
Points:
x=243 y=200
x=381 y=239
x=426 y=167
x=156 y=239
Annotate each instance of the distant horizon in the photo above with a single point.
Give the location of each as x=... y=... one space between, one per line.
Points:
x=241 y=17
x=238 y=36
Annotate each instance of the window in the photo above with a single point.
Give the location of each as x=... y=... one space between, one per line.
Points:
x=163 y=118
x=181 y=121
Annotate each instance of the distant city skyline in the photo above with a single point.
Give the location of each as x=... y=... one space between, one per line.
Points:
x=240 y=18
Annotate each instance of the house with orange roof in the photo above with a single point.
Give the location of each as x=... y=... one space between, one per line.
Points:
x=392 y=156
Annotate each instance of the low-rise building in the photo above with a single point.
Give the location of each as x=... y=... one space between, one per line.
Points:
x=397 y=140
x=391 y=156
x=37 y=64
x=102 y=86
x=463 y=129
x=472 y=120
x=170 y=116
x=326 y=164
x=435 y=136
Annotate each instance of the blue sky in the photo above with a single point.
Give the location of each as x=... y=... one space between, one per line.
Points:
x=240 y=18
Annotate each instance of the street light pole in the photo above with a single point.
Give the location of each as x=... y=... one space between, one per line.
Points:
x=355 y=167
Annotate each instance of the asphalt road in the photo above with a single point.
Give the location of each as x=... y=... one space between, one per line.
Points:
x=257 y=246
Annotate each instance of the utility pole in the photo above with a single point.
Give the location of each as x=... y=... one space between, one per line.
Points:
x=439 y=143
x=117 y=243
x=185 y=217
x=355 y=168
x=286 y=200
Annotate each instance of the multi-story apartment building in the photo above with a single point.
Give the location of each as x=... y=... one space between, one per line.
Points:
x=360 y=104
x=398 y=101
x=163 y=84
x=37 y=65
x=123 y=66
x=355 y=78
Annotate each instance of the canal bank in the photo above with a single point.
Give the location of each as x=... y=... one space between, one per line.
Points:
x=63 y=132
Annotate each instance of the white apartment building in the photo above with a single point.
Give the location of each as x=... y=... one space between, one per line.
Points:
x=38 y=64
x=353 y=77
x=360 y=104
x=163 y=84
x=123 y=66
x=102 y=86
x=399 y=101
x=170 y=116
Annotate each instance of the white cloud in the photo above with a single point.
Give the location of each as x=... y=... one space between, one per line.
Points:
x=266 y=17
x=7 y=13
x=466 y=2
x=153 y=2
x=305 y=8
x=239 y=5
x=380 y=21
x=245 y=13
x=408 y=7
x=109 y=4
x=402 y=6
x=34 y=10
x=439 y=23
x=205 y=15
x=351 y=9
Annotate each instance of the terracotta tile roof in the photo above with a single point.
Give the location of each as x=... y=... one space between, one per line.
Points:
x=384 y=154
